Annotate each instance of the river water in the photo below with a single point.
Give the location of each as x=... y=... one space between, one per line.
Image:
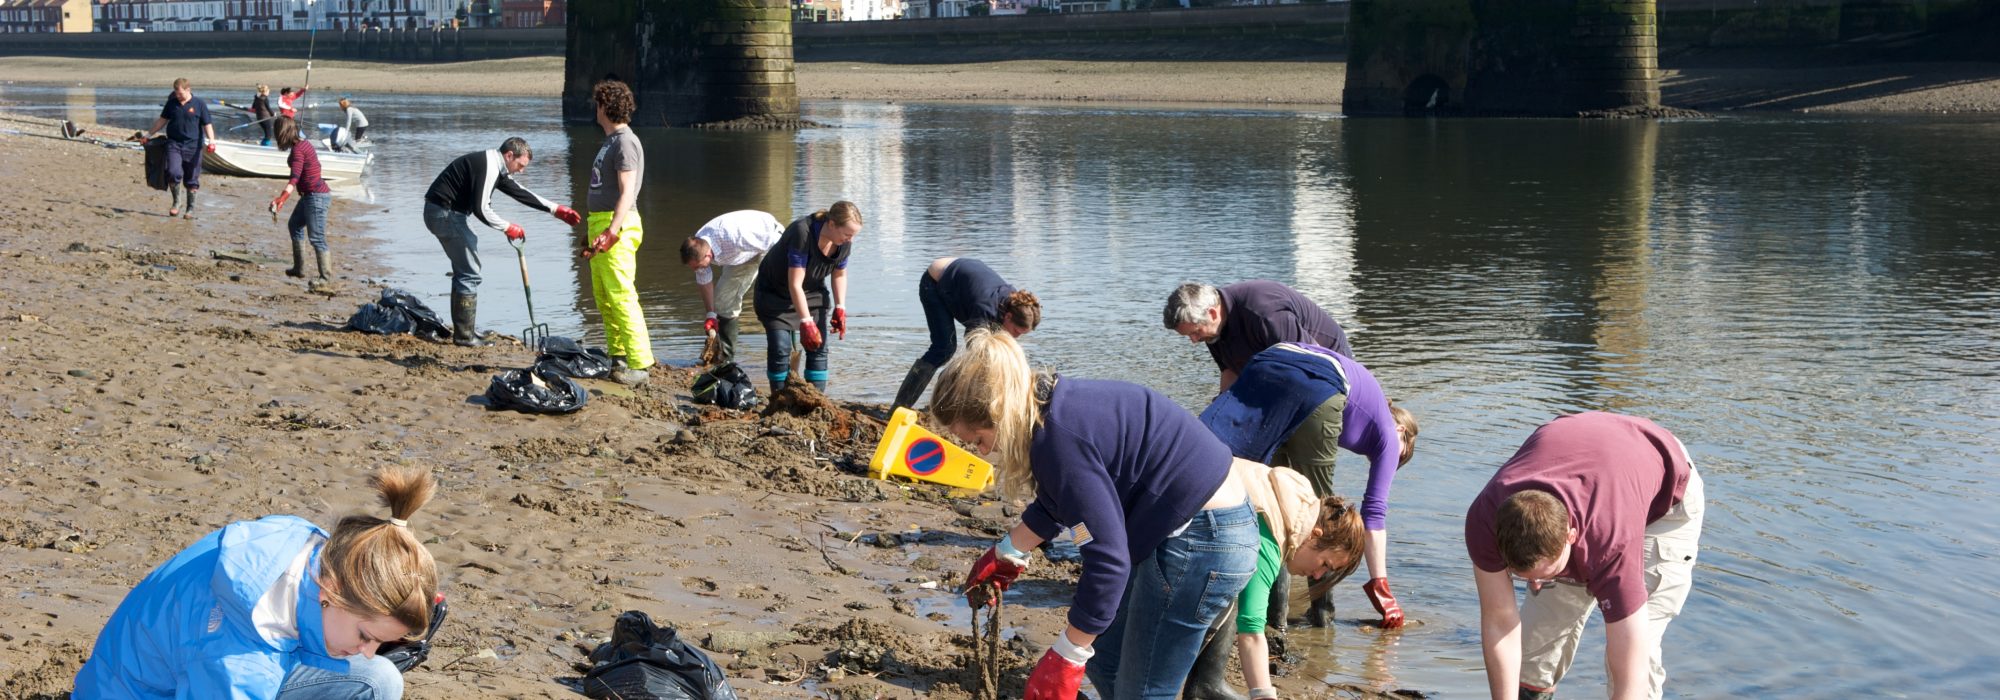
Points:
x=1811 y=303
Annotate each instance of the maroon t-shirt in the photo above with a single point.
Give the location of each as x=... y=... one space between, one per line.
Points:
x=1616 y=475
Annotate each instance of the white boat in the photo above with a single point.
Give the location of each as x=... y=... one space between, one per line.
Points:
x=252 y=160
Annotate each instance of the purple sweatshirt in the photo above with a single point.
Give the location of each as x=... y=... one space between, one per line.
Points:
x=1126 y=467
x=1367 y=429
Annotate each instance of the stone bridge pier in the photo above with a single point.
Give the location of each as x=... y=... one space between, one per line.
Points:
x=688 y=61
x=1501 y=57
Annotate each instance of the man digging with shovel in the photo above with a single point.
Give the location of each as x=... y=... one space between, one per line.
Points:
x=463 y=190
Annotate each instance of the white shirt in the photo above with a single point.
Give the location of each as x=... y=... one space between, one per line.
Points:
x=736 y=238
x=356 y=118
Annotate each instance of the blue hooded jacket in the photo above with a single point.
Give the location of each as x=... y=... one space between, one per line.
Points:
x=194 y=628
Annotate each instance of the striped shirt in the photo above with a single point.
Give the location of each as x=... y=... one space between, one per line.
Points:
x=736 y=238
x=304 y=162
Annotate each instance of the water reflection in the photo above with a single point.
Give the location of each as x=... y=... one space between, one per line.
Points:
x=1814 y=304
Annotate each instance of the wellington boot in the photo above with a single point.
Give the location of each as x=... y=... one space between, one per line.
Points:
x=725 y=338
x=1209 y=678
x=1274 y=615
x=914 y=384
x=627 y=376
x=174 y=194
x=298 y=258
x=464 y=314
x=1320 y=612
x=325 y=260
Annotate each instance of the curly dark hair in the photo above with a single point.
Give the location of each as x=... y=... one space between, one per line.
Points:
x=616 y=99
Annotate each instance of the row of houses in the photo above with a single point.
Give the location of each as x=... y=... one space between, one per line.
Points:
x=23 y=16
x=18 y=16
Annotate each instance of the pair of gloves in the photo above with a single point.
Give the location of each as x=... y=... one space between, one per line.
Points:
x=568 y=216
x=809 y=336
x=1059 y=673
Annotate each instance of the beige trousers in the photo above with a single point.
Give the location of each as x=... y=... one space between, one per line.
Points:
x=732 y=282
x=1552 y=620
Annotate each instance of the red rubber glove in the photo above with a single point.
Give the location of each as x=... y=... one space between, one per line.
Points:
x=279 y=202
x=995 y=568
x=1385 y=602
x=211 y=147
x=568 y=215
x=602 y=243
x=710 y=324
x=515 y=232
x=838 y=324
x=809 y=335
x=1060 y=672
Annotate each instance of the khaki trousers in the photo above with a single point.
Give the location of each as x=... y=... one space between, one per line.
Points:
x=1552 y=620
x=732 y=282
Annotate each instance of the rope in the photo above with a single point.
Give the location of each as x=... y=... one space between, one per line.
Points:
x=986 y=647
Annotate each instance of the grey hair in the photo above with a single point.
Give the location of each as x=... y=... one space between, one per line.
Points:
x=1189 y=303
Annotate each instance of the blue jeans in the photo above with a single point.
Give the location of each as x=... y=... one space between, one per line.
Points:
x=309 y=217
x=944 y=330
x=454 y=232
x=366 y=679
x=1169 y=604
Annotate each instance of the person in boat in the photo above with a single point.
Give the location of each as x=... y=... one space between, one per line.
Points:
x=260 y=109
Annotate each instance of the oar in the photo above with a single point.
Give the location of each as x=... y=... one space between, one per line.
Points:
x=312 y=37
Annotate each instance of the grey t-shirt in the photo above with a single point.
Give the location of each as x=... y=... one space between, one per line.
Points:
x=620 y=152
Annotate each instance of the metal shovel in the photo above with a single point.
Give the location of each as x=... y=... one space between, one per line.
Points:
x=536 y=333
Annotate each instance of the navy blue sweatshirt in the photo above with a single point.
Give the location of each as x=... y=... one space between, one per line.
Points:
x=1130 y=466
x=972 y=292
x=1258 y=314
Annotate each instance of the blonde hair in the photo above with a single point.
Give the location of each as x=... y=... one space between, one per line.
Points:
x=376 y=567
x=1340 y=530
x=263 y=89
x=1409 y=425
x=989 y=384
x=842 y=212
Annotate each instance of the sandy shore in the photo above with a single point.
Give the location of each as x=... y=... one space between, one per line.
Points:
x=156 y=392
x=1707 y=85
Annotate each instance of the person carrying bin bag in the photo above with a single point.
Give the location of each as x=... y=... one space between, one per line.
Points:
x=1168 y=537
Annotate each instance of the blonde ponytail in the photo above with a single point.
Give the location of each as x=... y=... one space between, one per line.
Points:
x=376 y=567
x=989 y=384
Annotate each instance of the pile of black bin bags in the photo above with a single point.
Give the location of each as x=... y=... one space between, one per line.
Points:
x=550 y=386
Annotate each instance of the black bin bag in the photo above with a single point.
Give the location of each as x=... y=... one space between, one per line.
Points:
x=647 y=662
x=726 y=386
x=399 y=311
x=570 y=358
x=536 y=389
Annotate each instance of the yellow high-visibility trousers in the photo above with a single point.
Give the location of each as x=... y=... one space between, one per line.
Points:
x=613 y=275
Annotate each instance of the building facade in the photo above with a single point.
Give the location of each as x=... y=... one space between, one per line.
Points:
x=44 y=16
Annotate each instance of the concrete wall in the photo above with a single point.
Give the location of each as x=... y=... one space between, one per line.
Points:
x=1682 y=24
x=421 y=45
x=1319 y=22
